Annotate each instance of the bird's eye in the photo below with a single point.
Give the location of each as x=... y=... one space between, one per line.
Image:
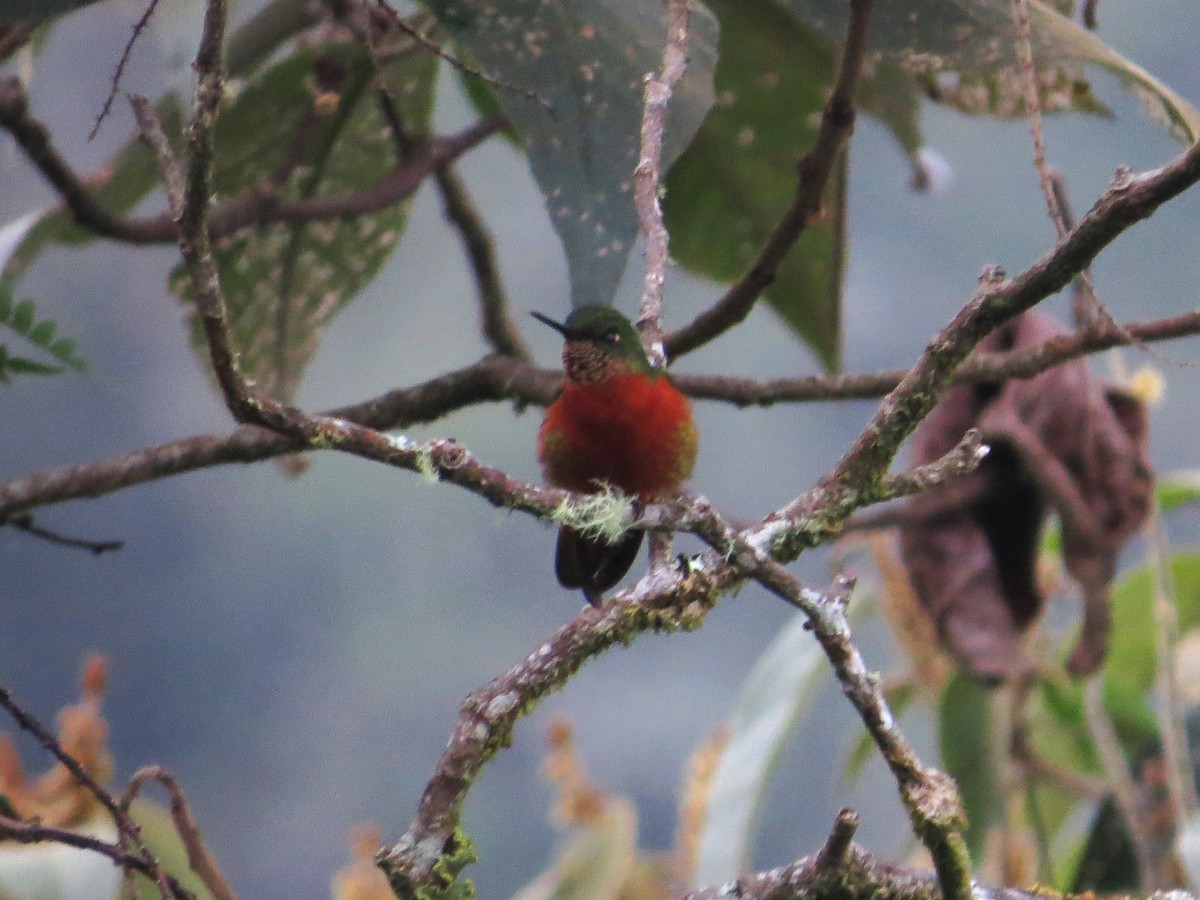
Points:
x=612 y=337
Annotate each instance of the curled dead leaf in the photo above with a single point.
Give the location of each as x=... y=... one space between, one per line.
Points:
x=1061 y=443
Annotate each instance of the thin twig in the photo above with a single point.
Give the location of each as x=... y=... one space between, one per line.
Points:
x=26 y=524
x=1085 y=305
x=837 y=122
x=931 y=797
x=200 y=859
x=115 y=85
x=252 y=207
x=837 y=845
x=1033 y=111
x=34 y=832
x=647 y=178
x=1169 y=705
x=962 y=460
x=1116 y=772
x=1088 y=305
x=476 y=239
x=437 y=50
x=127 y=828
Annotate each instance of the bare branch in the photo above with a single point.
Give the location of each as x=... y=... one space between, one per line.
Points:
x=647 y=177
x=493 y=378
x=837 y=122
x=962 y=460
x=254 y=207
x=200 y=859
x=498 y=326
x=1129 y=199
x=128 y=829
x=859 y=876
x=1033 y=111
x=476 y=239
x=488 y=716
x=930 y=796
x=34 y=832
x=26 y=524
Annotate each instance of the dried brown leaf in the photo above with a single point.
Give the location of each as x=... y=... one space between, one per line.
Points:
x=1061 y=442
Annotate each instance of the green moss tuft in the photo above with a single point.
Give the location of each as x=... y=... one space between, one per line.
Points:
x=604 y=515
x=459 y=853
x=424 y=464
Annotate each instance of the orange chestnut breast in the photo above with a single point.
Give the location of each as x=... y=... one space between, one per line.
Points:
x=633 y=431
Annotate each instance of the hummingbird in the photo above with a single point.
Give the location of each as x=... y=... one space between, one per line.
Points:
x=619 y=423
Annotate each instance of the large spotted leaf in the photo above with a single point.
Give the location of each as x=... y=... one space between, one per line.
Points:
x=733 y=183
x=284 y=282
x=964 y=52
x=585 y=61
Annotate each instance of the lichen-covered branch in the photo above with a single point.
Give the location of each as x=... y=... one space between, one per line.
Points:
x=839 y=869
x=666 y=599
x=1129 y=199
x=492 y=378
x=647 y=178
x=499 y=378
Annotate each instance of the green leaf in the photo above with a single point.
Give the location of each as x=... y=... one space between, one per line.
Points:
x=64 y=349
x=885 y=93
x=1178 y=489
x=284 y=283
x=22 y=317
x=1132 y=658
x=971 y=44
x=158 y=830
x=43 y=332
x=586 y=60
x=775 y=695
x=965 y=737
x=20 y=365
x=737 y=177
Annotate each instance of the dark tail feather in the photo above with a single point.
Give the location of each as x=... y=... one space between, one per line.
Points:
x=592 y=565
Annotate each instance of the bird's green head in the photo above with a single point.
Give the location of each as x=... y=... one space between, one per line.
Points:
x=599 y=344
